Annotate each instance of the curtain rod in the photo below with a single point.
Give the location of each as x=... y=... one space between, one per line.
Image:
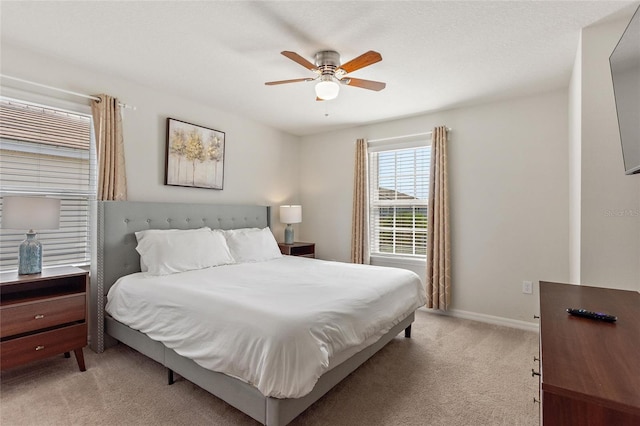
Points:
x=82 y=95
x=404 y=136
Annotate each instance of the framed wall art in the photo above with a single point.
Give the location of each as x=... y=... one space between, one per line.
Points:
x=195 y=156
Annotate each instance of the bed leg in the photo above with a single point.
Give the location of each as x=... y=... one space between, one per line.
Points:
x=407 y=332
x=169 y=376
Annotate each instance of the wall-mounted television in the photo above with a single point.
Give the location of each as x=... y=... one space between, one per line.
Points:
x=625 y=72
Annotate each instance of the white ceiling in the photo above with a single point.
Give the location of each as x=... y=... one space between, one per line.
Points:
x=436 y=55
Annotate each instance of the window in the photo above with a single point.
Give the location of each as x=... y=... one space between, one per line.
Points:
x=398 y=193
x=48 y=151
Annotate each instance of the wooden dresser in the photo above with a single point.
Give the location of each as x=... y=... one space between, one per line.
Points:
x=42 y=315
x=590 y=370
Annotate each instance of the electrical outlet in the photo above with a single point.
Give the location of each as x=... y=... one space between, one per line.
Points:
x=527 y=287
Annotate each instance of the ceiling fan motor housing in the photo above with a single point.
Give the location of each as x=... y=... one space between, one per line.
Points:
x=327 y=61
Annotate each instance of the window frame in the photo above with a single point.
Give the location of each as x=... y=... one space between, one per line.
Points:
x=390 y=145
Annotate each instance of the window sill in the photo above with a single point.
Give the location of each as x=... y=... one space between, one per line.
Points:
x=397 y=260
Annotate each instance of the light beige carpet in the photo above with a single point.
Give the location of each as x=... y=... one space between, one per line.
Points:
x=451 y=372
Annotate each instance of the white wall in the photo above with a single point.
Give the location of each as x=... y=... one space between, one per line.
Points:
x=610 y=216
x=260 y=162
x=575 y=166
x=509 y=197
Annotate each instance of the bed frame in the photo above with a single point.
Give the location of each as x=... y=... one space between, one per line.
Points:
x=116 y=256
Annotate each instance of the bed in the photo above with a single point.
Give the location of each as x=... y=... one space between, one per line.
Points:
x=117 y=257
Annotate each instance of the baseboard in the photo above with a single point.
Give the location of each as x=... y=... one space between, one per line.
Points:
x=490 y=319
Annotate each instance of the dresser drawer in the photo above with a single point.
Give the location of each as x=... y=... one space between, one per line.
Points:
x=36 y=315
x=30 y=348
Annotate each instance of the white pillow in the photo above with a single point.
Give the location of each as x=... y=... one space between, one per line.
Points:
x=142 y=234
x=170 y=251
x=252 y=244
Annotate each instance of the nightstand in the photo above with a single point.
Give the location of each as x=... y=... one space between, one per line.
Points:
x=42 y=315
x=298 y=249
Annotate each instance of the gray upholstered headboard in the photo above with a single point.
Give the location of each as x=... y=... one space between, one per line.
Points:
x=116 y=242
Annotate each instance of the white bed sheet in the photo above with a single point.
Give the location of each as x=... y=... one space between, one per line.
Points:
x=274 y=324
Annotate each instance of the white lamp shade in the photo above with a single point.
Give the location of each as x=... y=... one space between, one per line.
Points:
x=327 y=89
x=290 y=214
x=26 y=213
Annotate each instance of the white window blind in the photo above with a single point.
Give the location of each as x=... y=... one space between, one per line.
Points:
x=44 y=150
x=398 y=194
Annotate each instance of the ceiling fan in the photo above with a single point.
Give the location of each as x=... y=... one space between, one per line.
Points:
x=330 y=74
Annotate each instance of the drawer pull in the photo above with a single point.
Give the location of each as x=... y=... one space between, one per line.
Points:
x=534 y=373
x=39 y=316
x=39 y=348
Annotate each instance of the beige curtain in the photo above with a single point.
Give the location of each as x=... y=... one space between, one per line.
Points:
x=359 y=218
x=112 y=180
x=438 y=240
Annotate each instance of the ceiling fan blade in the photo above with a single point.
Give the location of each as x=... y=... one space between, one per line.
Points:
x=299 y=59
x=295 y=80
x=365 y=84
x=361 y=61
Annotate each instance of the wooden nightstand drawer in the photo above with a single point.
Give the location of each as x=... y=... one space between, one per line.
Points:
x=30 y=348
x=42 y=315
x=35 y=315
x=298 y=249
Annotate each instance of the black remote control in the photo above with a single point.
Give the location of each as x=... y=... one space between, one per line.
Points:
x=592 y=315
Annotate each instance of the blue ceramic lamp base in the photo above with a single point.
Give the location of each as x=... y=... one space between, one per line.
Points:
x=30 y=255
x=288 y=234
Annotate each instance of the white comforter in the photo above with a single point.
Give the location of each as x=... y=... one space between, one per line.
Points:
x=274 y=324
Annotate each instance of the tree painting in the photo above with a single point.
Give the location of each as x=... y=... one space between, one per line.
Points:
x=178 y=147
x=214 y=151
x=195 y=155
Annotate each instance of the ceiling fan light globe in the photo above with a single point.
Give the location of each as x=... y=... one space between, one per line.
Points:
x=327 y=90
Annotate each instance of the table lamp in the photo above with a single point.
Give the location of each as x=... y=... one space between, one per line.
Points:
x=27 y=212
x=289 y=215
